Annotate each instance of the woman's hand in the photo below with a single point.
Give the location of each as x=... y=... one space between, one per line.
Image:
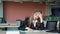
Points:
x=41 y=18
x=29 y=29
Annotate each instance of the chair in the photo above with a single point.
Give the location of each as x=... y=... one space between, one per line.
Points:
x=51 y=26
x=2 y=20
x=59 y=27
x=21 y=24
x=18 y=22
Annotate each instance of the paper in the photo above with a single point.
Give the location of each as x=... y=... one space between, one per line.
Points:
x=12 y=32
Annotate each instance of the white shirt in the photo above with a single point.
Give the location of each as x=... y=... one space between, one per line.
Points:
x=34 y=22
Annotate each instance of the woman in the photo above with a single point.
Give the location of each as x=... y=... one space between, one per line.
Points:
x=35 y=21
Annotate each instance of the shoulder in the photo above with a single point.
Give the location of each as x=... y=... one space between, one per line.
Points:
x=26 y=21
x=42 y=23
x=27 y=18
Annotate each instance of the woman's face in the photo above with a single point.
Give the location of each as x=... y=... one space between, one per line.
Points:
x=36 y=15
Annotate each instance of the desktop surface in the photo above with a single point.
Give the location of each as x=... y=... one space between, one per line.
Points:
x=26 y=32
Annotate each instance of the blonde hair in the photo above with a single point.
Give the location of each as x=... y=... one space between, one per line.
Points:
x=31 y=17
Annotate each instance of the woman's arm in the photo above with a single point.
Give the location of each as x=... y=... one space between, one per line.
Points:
x=26 y=21
x=40 y=26
x=41 y=18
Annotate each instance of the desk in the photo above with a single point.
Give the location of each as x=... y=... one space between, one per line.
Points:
x=35 y=32
x=4 y=32
x=8 y=25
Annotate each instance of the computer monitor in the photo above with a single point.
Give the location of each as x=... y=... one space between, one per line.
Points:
x=51 y=25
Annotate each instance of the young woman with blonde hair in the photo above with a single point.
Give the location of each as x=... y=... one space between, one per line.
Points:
x=35 y=21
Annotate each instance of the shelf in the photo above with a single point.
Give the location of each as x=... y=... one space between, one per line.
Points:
x=52 y=18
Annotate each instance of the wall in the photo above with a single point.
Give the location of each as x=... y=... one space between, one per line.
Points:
x=48 y=10
x=1 y=10
x=16 y=10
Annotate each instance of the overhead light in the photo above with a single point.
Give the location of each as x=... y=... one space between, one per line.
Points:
x=26 y=0
x=36 y=0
